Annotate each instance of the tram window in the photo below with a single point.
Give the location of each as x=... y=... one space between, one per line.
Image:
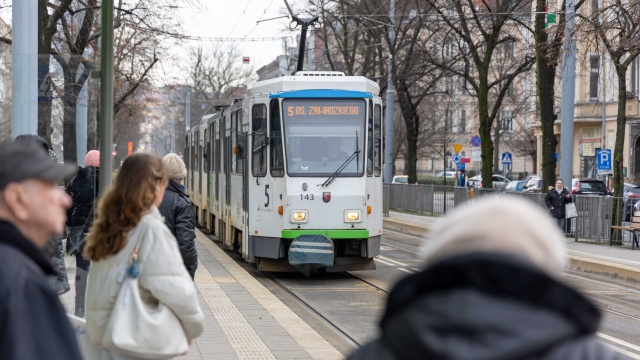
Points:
x=234 y=133
x=277 y=159
x=370 y=140
x=239 y=162
x=197 y=147
x=377 y=136
x=259 y=144
x=186 y=152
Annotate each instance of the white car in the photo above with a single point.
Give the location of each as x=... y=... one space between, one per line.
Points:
x=448 y=174
x=499 y=181
x=400 y=179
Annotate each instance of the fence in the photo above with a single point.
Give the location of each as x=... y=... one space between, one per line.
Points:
x=594 y=212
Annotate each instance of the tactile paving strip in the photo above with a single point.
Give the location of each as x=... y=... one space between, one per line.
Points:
x=243 y=339
x=308 y=339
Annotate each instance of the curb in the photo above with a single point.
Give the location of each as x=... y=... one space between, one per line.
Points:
x=404 y=227
x=603 y=268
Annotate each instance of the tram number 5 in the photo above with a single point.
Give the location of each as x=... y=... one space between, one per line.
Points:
x=266 y=194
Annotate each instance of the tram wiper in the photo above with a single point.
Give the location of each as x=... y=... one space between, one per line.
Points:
x=342 y=167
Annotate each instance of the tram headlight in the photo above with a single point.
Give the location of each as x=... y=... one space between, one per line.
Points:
x=352 y=216
x=299 y=216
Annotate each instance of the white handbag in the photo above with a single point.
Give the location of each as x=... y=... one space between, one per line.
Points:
x=570 y=211
x=141 y=330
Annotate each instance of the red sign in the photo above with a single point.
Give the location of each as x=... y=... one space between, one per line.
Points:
x=465 y=160
x=245 y=59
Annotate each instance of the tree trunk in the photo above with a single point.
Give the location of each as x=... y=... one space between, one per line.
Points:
x=621 y=122
x=496 y=149
x=45 y=128
x=545 y=78
x=71 y=91
x=485 y=132
x=412 y=121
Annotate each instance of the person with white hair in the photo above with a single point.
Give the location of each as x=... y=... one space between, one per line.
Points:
x=491 y=289
x=178 y=212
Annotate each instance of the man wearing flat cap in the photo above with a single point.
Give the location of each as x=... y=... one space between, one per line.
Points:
x=33 y=324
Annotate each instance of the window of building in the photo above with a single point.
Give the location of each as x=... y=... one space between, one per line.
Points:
x=594 y=78
x=507 y=120
x=462 y=126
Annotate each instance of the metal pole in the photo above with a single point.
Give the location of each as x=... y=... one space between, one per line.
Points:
x=188 y=111
x=388 y=149
x=568 y=97
x=82 y=109
x=604 y=105
x=106 y=97
x=24 y=59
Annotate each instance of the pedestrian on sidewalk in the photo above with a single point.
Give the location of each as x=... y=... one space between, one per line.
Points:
x=54 y=248
x=178 y=212
x=556 y=199
x=83 y=189
x=491 y=289
x=128 y=226
x=33 y=323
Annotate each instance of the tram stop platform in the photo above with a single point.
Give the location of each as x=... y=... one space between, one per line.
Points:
x=243 y=319
x=595 y=257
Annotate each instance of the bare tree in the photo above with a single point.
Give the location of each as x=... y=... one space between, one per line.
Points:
x=523 y=142
x=469 y=35
x=214 y=70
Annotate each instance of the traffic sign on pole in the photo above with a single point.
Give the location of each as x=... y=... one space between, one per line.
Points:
x=603 y=157
x=475 y=140
x=507 y=158
x=456 y=158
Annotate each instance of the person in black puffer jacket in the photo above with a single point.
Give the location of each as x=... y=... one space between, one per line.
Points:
x=178 y=212
x=492 y=289
x=83 y=189
x=556 y=199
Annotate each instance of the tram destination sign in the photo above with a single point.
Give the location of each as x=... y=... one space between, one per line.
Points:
x=308 y=109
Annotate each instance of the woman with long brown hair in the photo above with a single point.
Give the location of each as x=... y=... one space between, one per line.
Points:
x=129 y=229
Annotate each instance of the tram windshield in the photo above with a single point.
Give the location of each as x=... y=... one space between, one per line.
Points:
x=321 y=134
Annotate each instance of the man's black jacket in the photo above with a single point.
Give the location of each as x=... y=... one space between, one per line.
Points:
x=33 y=324
x=177 y=209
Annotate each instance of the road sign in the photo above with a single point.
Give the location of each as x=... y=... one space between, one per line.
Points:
x=456 y=159
x=476 y=155
x=465 y=160
x=507 y=158
x=457 y=147
x=603 y=157
x=475 y=140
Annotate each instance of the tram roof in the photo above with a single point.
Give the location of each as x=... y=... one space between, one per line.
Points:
x=309 y=80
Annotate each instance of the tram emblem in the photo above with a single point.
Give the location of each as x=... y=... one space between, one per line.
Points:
x=326 y=197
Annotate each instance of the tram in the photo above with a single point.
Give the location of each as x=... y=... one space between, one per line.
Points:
x=290 y=176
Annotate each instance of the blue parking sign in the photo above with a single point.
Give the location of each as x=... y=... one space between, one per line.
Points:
x=603 y=157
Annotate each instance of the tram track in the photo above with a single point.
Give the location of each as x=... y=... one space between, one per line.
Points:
x=335 y=327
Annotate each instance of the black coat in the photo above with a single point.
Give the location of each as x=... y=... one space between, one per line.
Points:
x=83 y=190
x=179 y=215
x=486 y=307
x=33 y=323
x=556 y=202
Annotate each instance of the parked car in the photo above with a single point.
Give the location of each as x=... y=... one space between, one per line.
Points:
x=588 y=187
x=533 y=185
x=499 y=181
x=400 y=179
x=448 y=174
x=516 y=186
